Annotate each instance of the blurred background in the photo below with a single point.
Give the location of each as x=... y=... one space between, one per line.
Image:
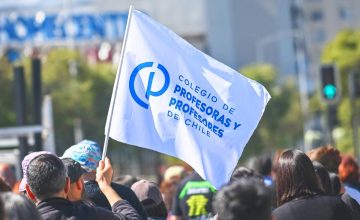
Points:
x=58 y=62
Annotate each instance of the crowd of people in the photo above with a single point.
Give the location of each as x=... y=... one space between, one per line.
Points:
x=291 y=185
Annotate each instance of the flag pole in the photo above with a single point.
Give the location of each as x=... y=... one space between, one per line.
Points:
x=112 y=104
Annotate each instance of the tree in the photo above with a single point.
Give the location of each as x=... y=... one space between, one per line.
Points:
x=83 y=93
x=7 y=104
x=344 y=51
x=79 y=90
x=281 y=125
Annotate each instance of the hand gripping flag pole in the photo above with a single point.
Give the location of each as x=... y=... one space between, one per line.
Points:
x=112 y=104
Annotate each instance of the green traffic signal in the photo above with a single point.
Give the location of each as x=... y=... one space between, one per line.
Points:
x=329 y=91
x=329 y=82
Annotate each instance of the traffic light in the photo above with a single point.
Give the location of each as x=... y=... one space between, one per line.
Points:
x=330 y=91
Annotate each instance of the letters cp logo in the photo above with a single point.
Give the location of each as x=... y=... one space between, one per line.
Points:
x=149 y=90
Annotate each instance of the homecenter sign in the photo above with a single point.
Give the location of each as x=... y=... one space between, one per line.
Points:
x=60 y=28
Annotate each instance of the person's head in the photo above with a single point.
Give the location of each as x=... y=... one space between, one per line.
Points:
x=74 y=172
x=323 y=177
x=261 y=164
x=151 y=198
x=47 y=178
x=25 y=164
x=245 y=199
x=295 y=177
x=174 y=173
x=172 y=178
x=275 y=162
x=88 y=154
x=18 y=207
x=7 y=174
x=349 y=170
x=328 y=156
x=243 y=172
x=335 y=183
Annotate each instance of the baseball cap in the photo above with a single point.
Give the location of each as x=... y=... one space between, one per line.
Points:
x=87 y=153
x=146 y=190
x=151 y=198
x=25 y=164
x=74 y=170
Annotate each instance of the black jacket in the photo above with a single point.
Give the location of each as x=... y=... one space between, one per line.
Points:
x=94 y=194
x=63 y=209
x=313 y=208
x=352 y=205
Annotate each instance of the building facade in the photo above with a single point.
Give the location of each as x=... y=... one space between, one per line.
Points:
x=241 y=32
x=323 y=19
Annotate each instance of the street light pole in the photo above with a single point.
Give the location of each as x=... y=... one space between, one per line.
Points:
x=300 y=67
x=301 y=61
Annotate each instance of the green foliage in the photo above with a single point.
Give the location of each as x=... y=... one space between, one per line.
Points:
x=264 y=74
x=79 y=90
x=344 y=51
x=84 y=93
x=282 y=115
x=7 y=104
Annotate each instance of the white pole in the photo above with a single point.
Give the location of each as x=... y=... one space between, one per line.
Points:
x=112 y=104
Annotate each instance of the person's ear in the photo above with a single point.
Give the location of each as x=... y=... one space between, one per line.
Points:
x=30 y=194
x=67 y=185
x=79 y=184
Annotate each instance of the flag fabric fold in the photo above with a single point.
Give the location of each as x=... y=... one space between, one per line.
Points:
x=174 y=99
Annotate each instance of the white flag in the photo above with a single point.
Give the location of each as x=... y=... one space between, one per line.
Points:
x=174 y=99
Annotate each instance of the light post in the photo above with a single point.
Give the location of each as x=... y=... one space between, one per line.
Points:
x=301 y=69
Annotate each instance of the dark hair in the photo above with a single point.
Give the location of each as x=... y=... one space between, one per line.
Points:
x=46 y=176
x=296 y=177
x=323 y=177
x=18 y=207
x=245 y=199
x=243 y=172
x=335 y=183
x=275 y=161
x=261 y=164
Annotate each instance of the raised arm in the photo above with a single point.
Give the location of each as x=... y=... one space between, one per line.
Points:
x=121 y=208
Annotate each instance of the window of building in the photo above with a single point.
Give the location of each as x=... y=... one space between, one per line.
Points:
x=344 y=14
x=317 y=15
x=319 y=36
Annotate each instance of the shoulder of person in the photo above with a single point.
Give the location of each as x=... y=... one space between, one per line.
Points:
x=320 y=203
x=334 y=199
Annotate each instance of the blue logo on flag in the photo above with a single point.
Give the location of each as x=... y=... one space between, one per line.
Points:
x=149 y=92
